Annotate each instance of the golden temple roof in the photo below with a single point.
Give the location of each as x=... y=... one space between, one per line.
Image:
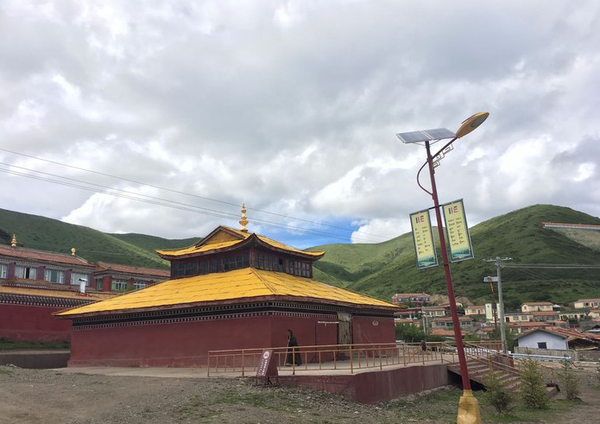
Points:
x=225 y=238
x=245 y=284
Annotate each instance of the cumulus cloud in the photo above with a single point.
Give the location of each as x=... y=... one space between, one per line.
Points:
x=292 y=108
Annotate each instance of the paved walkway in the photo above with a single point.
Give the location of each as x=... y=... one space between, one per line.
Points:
x=343 y=368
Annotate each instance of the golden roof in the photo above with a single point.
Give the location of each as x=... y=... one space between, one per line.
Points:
x=224 y=238
x=239 y=285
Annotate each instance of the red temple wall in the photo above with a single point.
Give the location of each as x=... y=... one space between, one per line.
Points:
x=373 y=330
x=187 y=343
x=33 y=323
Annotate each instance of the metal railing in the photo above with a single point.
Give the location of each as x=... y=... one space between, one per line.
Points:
x=343 y=358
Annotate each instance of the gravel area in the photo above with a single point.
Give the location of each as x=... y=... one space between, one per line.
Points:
x=52 y=396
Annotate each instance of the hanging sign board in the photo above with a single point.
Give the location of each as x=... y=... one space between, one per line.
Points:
x=423 y=239
x=457 y=231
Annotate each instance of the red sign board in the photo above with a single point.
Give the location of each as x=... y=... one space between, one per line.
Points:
x=266 y=367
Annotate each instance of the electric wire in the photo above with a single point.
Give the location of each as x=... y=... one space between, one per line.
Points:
x=98 y=188
x=318 y=223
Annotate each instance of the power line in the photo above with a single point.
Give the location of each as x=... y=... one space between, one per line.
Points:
x=98 y=188
x=318 y=223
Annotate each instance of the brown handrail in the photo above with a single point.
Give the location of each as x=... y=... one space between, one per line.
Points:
x=333 y=357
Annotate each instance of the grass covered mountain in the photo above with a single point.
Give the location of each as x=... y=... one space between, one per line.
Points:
x=383 y=269
x=41 y=233
x=387 y=268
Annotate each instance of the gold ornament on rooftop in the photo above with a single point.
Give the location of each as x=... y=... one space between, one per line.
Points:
x=244 y=221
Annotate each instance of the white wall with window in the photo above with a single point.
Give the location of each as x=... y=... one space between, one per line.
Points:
x=140 y=284
x=54 y=276
x=76 y=278
x=118 y=285
x=27 y=272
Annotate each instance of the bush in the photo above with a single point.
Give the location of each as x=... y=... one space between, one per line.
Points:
x=533 y=389
x=569 y=380
x=497 y=393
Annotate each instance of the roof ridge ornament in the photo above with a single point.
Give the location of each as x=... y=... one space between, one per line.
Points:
x=13 y=242
x=244 y=221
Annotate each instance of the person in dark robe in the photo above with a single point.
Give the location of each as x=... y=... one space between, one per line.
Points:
x=293 y=355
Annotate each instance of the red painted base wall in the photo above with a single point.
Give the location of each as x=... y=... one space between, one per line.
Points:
x=186 y=344
x=32 y=324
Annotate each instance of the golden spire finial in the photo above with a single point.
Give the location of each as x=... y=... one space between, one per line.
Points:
x=73 y=251
x=13 y=242
x=244 y=221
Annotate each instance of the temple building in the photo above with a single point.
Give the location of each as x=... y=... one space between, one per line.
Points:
x=34 y=284
x=231 y=290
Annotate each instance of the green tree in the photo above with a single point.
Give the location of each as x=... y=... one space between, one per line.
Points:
x=570 y=381
x=533 y=390
x=497 y=393
x=409 y=333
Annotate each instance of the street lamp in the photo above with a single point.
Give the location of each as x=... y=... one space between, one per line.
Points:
x=468 y=407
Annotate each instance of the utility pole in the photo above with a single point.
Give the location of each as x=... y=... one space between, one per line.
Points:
x=498 y=261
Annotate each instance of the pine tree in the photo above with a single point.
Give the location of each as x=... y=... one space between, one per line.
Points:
x=497 y=393
x=569 y=380
x=533 y=390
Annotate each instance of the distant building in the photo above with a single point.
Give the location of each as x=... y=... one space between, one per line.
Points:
x=475 y=310
x=410 y=298
x=434 y=311
x=554 y=338
x=492 y=312
x=446 y=323
x=35 y=283
x=537 y=307
x=517 y=317
x=587 y=304
x=541 y=316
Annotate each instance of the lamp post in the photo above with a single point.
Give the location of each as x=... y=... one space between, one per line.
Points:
x=468 y=407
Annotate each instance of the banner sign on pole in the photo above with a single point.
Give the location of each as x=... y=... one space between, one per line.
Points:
x=457 y=231
x=423 y=239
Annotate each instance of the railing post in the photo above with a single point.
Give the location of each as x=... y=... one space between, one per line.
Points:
x=380 y=364
x=351 y=359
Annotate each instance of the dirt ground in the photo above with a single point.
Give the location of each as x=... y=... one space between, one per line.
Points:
x=57 y=396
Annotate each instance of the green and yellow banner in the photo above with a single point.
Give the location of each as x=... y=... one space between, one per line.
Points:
x=423 y=239
x=457 y=232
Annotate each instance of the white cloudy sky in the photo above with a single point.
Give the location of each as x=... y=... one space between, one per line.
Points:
x=291 y=107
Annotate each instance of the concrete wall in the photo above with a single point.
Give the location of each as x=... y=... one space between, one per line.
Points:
x=376 y=386
x=35 y=359
x=575 y=355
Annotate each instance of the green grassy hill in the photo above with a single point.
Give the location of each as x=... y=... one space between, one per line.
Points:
x=41 y=233
x=383 y=269
x=390 y=267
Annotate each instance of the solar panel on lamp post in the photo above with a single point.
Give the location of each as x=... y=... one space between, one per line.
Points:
x=468 y=407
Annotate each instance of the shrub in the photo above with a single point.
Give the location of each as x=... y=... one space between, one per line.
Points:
x=533 y=390
x=497 y=393
x=569 y=380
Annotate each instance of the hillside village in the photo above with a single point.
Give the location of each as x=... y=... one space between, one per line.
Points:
x=579 y=324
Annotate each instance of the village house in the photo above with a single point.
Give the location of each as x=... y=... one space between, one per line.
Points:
x=475 y=310
x=410 y=298
x=541 y=316
x=434 y=311
x=587 y=304
x=554 y=338
x=537 y=307
x=517 y=317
